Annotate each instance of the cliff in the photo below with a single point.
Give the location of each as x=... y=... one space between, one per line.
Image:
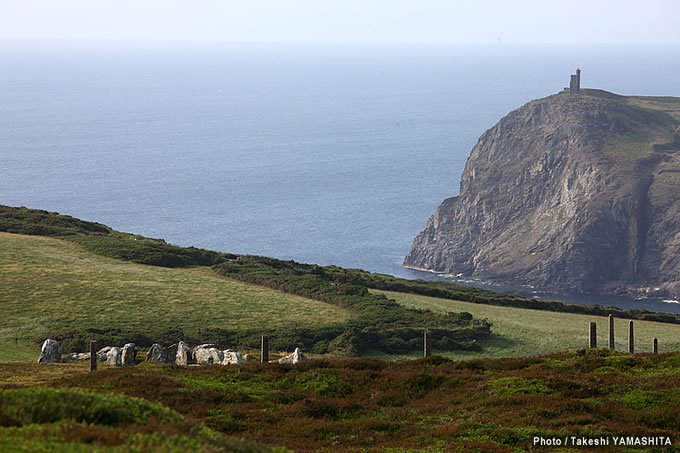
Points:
x=573 y=193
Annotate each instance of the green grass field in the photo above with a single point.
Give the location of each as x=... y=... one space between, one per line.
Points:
x=523 y=332
x=49 y=284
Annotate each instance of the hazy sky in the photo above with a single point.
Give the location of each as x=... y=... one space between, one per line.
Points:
x=345 y=21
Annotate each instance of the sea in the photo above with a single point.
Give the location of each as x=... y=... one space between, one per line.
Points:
x=322 y=154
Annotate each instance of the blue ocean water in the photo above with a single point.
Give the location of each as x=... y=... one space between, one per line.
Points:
x=328 y=155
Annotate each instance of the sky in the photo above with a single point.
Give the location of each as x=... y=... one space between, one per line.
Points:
x=344 y=21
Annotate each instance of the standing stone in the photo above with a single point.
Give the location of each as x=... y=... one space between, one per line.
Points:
x=93 y=355
x=200 y=346
x=50 y=352
x=295 y=357
x=157 y=354
x=611 y=332
x=655 y=348
x=232 y=357
x=113 y=356
x=128 y=354
x=183 y=356
x=102 y=354
x=208 y=356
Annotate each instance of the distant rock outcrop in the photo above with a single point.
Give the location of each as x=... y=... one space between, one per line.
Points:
x=576 y=193
x=50 y=352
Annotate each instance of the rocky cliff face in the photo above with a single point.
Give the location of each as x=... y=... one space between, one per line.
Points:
x=573 y=193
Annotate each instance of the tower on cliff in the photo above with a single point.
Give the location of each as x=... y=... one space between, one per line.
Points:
x=575 y=82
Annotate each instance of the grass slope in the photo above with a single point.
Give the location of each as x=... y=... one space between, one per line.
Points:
x=525 y=332
x=376 y=321
x=432 y=405
x=50 y=284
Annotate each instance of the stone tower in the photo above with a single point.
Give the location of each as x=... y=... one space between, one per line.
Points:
x=575 y=82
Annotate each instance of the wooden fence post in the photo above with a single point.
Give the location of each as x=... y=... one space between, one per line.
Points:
x=631 y=340
x=264 y=349
x=611 y=332
x=93 y=355
x=593 y=335
x=426 y=344
x=656 y=347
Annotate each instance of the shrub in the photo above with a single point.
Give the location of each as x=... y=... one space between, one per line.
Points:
x=42 y=405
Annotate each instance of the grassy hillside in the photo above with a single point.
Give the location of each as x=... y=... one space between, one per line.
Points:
x=74 y=281
x=524 y=332
x=433 y=404
x=375 y=321
x=50 y=284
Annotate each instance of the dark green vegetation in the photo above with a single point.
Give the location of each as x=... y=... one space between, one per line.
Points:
x=381 y=323
x=429 y=404
x=103 y=240
x=452 y=291
x=41 y=419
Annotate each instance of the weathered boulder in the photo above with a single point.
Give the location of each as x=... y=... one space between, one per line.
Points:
x=128 y=354
x=231 y=357
x=50 y=352
x=183 y=356
x=102 y=354
x=156 y=354
x=208 y=356
x=248 y=358
x=295 y=357
x=76 y=357
x=113 y=356
x=200 y=346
